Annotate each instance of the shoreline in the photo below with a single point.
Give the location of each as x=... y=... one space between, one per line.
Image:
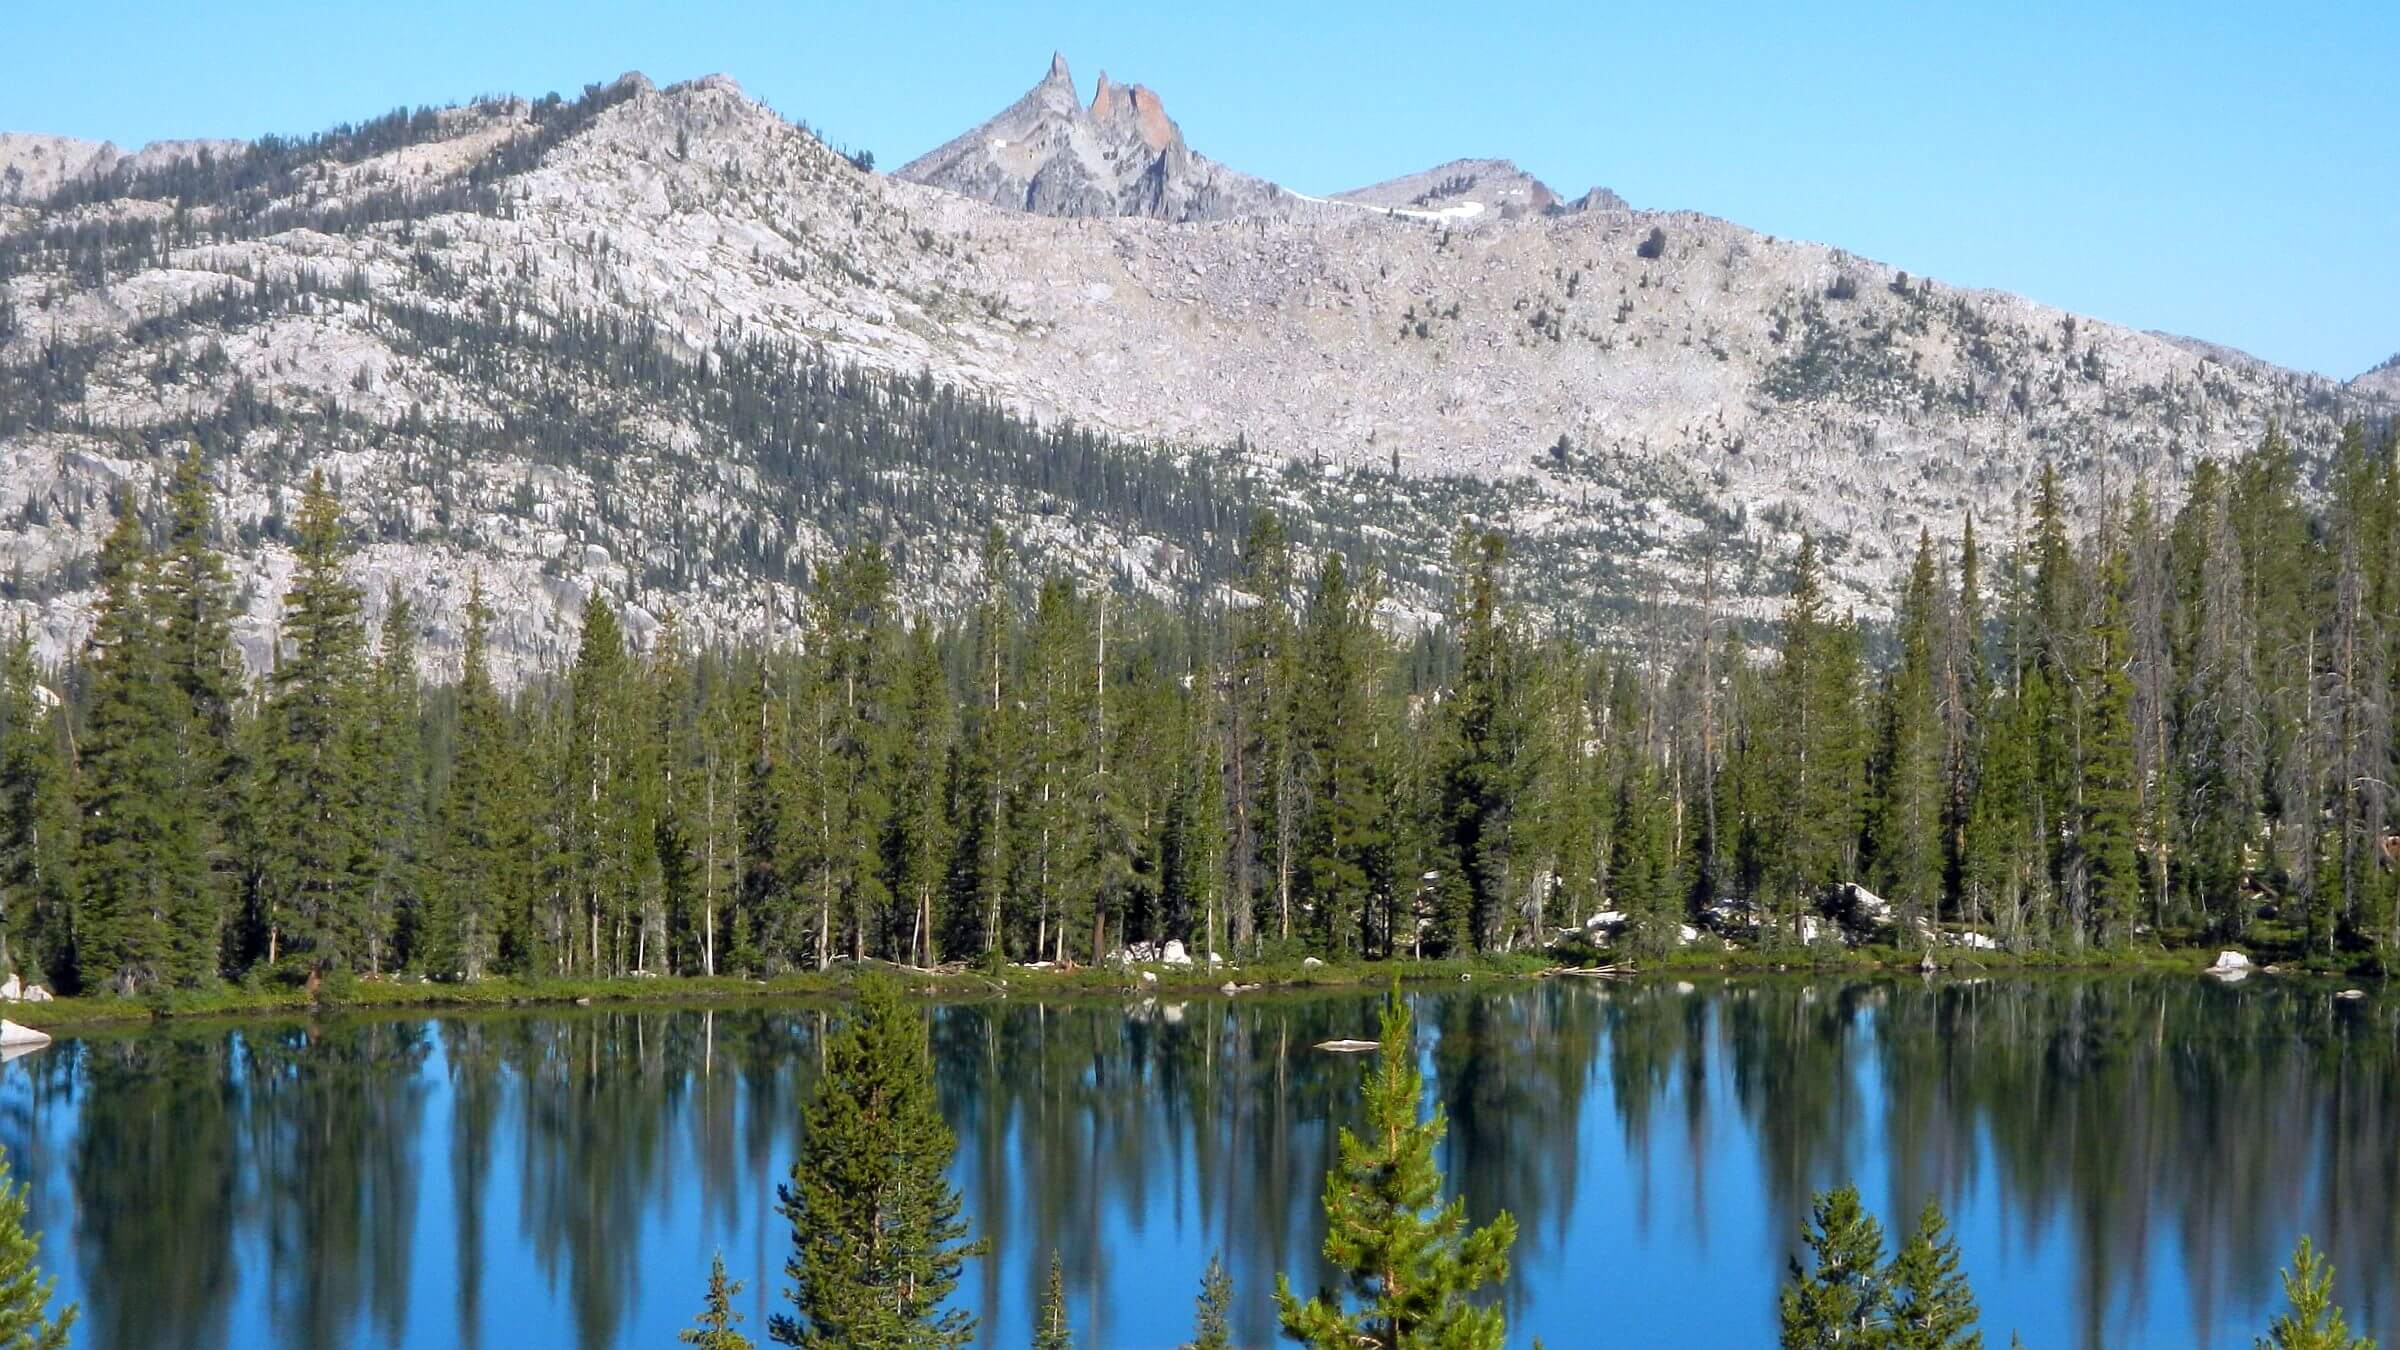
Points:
x=507 y=992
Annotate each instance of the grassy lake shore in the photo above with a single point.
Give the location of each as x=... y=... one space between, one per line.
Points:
x=413 y=994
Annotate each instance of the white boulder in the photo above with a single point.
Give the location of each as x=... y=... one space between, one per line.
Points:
x=1174 y=954
x=12 y=1035
x=2231 y=965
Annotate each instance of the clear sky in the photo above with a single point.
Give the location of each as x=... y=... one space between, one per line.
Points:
x=2229 y=171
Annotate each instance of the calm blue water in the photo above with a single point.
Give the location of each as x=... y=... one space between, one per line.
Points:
x=2126 y=1161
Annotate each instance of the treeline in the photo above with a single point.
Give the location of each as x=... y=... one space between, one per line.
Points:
x=2181 y=722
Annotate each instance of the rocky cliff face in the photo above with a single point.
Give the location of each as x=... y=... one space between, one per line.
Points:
x=1050 y=154
x=634 y=341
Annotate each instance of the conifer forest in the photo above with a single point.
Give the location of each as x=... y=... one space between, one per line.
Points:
x=2178 y=724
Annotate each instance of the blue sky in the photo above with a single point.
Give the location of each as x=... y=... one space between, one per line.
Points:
x=2227 y=171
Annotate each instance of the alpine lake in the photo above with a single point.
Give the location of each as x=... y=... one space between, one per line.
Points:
x=2126 y=1160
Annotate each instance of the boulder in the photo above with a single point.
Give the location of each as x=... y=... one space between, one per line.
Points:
x=34 y=993
x=1149 y=977
x=1174 y=954
x=12 y=989
x=2231 y=965
x=1310 y=963
x=12 y=1034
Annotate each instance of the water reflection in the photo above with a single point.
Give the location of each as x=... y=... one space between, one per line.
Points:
x=2127 y=1160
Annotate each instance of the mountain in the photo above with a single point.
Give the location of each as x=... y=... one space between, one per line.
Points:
x=2381 y=382
x=1050 y=154
x=664 y=342
x=1464 y=187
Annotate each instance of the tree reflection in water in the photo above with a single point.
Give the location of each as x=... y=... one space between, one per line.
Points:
x=2128 y=1159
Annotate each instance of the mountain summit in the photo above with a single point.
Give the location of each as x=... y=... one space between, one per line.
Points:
x=1121 y=155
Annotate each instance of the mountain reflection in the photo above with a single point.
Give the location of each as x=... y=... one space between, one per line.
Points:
x=2128 y=1159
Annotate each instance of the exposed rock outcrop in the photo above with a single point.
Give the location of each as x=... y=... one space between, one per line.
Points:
x=1050 y=154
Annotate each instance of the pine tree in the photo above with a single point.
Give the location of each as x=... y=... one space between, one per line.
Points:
x=1212 y=1325
x=1263 y=754
x=2314 y=1323
x=143 y=907
x=991 y=760
x=1410 y=1266
x=918 y=855
x=482 y=848
x=25 y=1320
x=1641 y=869
x=316 y=772
x=851 y=748
x=878 y=1237
x=36 y=822
x=1839 y=1298
x=1906 y=821
x=1478 y=790
x=1051 y=1330
x=1345 y=864
x=2109 y=796
x=395 y=790
x=1810 y=757
x=714 y=1329
x=1931 y=1307
x=193 y=598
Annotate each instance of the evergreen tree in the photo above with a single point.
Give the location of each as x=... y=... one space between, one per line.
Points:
x=2314 y=1323
x=143 y=906
x=714 y=1330
x=1478 y=788
x=315 y=791
x=482 y=844
x=1906 y=821
x=25 y=1320
x=878 y=1237
x=1931 y=1306
x=1212 y=1325
x=1410 y=1265
x=2106 y=788
x=1051 y=1330
x=1345 y=862
x=36 y=821
x=992 y=755
x=918 y=855
x=851 y=747
x=1263 y=754
x=1641 y=869
x=1810 y=759
x=193 y=598
x=1839 y=1299
x=395 y=790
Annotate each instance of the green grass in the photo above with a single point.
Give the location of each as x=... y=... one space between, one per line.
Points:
x=265 y=1000
x=269 y=999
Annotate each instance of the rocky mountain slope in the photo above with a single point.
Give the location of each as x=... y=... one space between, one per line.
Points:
x=664 y=342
